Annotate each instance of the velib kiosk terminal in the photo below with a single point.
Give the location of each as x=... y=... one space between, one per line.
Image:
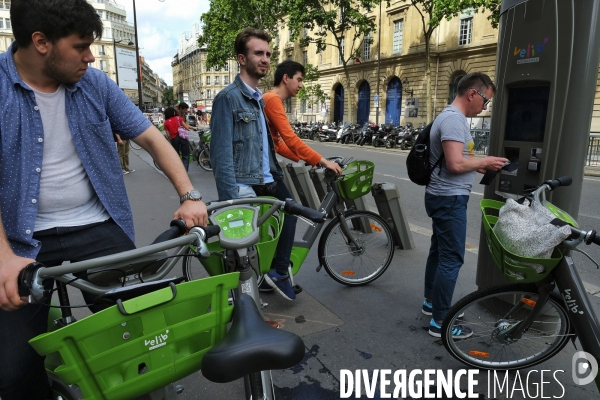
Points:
x=546 y=71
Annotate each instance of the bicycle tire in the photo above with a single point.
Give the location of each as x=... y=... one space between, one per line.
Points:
x=204 y=160
x=191 y=267
x=357 y=267
x=134 y=146
x=486 y=312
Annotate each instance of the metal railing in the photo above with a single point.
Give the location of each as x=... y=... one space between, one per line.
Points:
x=481 y=137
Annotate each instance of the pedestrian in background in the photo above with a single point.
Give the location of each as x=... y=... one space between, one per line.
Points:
x=447 y=195
x=123 y=150
x=173 y=123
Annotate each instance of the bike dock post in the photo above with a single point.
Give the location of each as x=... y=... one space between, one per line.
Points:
x=317 y=175
x=307 y=194
x=287 y=179
x=387 y=199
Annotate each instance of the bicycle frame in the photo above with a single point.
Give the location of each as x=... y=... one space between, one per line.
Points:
x=332 y=200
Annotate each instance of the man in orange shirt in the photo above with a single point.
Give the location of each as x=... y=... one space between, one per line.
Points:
x=287 y=83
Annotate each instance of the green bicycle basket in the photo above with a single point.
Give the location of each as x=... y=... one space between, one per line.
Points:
x=206 y=136
x=513 y=266
x=358 y=181
x=269 y=237
x=163 y=338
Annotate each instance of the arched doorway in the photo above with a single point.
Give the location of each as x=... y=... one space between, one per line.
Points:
x=364 y=103
x=338 y=104
x=393 y=101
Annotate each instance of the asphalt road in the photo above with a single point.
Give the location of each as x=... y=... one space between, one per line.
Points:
x=375 y=327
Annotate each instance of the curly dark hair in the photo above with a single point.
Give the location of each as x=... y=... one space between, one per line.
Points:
x=56 y=19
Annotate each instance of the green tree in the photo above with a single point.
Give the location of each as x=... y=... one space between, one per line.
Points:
x=226 y=18
x=311 y=92
x=345 y=21
x=432 y=13
x=167 y=97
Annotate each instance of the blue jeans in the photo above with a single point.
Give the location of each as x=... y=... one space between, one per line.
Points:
x=447 y=250
x=281 y=261
x=22 y=373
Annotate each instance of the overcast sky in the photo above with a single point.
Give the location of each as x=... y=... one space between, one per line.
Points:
x=159 y=25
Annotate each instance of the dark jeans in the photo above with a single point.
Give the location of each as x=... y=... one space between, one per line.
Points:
x=277 y=189
x=182 y=146
x=22 y=373
x=447 y=251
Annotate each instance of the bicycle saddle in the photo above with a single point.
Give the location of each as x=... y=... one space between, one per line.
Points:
x=250 y=346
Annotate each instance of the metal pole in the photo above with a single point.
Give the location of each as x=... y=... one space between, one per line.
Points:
x=137 y=56
x=378 y=65
x=116 y=67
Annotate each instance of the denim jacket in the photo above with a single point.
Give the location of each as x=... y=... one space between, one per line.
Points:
x=236 y=144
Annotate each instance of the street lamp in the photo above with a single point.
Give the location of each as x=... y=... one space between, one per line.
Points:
x=115 y=54
x=137 y=59
x=405 y=82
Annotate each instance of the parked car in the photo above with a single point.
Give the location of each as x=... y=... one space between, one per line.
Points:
x=191 y=120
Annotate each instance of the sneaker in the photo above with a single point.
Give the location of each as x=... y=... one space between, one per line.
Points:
x=131 y=170
x=458 y=331
x=125 y=172
x=428 y=309
x=281 y=283
x=264 y=286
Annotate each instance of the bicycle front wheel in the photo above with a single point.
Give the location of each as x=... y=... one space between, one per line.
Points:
x=363 y=260
x=191 y=267
x=134 y=146
x=491 y=313
x=204 y=160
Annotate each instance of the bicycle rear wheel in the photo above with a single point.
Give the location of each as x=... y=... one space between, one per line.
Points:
x=134 y=146
x=354 y=266
x=204 y=160
x=491 y=313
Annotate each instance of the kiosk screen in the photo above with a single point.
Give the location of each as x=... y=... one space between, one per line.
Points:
x=526 y=113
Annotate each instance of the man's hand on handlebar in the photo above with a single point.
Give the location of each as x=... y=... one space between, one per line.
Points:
x=9 y=274
x=193 y=213
x=331 y=165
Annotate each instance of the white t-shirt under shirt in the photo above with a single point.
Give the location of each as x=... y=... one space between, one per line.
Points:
x=67 y=197
x=452 y=125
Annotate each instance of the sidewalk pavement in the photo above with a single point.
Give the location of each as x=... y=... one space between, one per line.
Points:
x=373 y=327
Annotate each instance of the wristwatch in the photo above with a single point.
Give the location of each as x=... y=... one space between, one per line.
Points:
x=191 y=195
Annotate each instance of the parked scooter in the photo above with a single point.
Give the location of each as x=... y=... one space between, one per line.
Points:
x=365 y=135
x=377 y=136
x=348 y=134
x=327 y=133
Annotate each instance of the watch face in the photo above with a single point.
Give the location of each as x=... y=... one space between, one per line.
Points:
x=195 y=195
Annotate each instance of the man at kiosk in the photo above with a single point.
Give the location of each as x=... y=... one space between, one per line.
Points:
x=447 y=194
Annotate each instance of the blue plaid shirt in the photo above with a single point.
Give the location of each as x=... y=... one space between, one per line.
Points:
x=96 y=107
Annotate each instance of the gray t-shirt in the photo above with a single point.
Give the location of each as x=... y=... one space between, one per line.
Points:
x=451 y=124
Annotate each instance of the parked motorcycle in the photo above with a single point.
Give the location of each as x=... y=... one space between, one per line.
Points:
x=377 y=136
x=348 y=134
x=327 y=133
x=365 y=135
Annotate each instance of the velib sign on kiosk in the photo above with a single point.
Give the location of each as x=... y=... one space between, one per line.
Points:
x=546 y=71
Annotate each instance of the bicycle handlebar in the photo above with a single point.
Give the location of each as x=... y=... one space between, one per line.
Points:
x=293 y=207
x=562 y=181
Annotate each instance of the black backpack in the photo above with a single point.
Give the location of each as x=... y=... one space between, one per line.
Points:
x=417 y=163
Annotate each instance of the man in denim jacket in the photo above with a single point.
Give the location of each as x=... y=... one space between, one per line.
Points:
x=241 y=150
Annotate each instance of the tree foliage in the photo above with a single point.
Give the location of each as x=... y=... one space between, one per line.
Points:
x=226 y=18
x=311 y=91
x=167 y=97
x=346 y=21
x=433 y=12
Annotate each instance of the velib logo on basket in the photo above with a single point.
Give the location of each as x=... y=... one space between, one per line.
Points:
x=585 y=368
x=157 y=341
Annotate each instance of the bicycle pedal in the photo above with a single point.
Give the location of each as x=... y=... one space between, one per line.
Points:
x=263 y=304
x=297 y=289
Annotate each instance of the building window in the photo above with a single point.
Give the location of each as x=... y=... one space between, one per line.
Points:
x=103 y=65
x=208 y=80
x=303 y=106
x=209 y=94
x=288 y=105
x=1 y=23
x=8 y=26
x=217 y=80
x=367 y=47
x=398 y=33
x=100 y=14
x=227 y=67
x=225 y=80
x=466 y=27
x=304 y=57
x=341 y=51
x=101 y=50
x=452 y=88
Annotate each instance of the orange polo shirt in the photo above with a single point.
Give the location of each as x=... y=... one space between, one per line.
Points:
x=286 y=142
